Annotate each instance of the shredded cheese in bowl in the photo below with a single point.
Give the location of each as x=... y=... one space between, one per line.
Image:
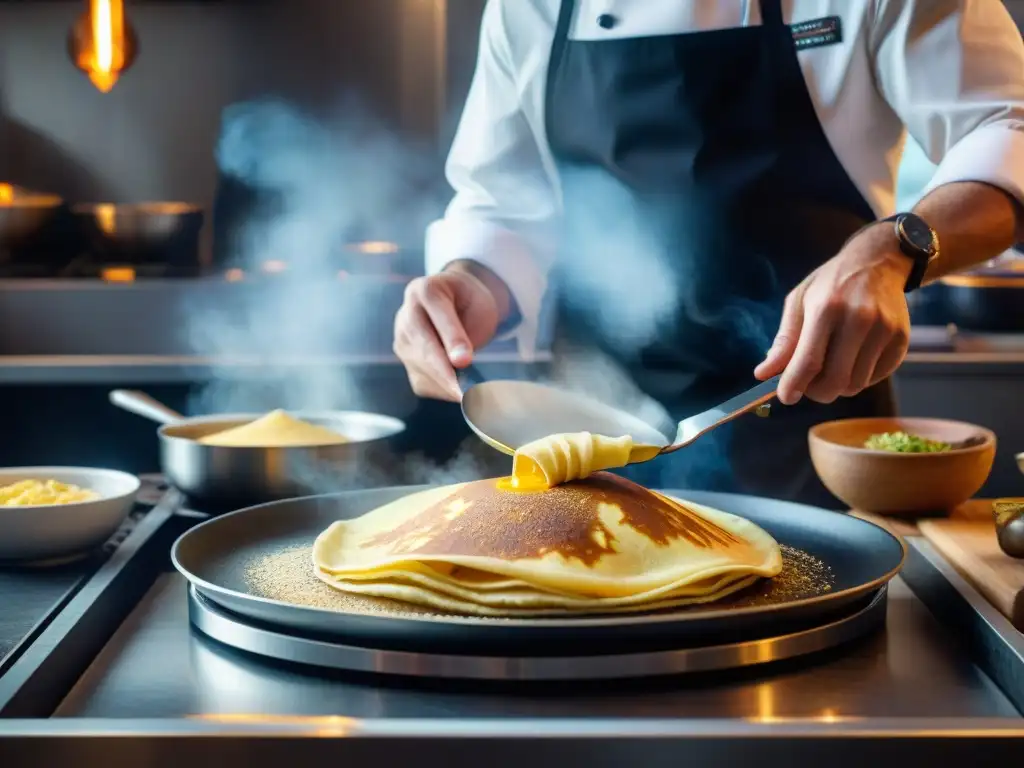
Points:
x=35 y=493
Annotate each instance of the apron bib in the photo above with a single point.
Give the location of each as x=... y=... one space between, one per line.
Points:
x=699 y=188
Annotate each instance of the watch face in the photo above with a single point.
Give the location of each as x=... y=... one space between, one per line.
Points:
x=918 y=234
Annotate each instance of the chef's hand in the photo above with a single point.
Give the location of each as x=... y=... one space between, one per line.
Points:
x=846 y=326
x=443 y=319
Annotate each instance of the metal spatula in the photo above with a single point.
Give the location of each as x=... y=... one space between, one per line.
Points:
x=510 y=414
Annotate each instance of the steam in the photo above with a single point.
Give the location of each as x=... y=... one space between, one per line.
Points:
x=347 y=178
x=624 y=270
x=338 y=180
x=627 y=256
x=611 y=252
x=472 y=461
x=334 y=182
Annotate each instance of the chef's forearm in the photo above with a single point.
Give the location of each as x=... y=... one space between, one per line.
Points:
x=975 y=222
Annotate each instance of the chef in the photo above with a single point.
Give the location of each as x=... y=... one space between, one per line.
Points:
x=727 y=167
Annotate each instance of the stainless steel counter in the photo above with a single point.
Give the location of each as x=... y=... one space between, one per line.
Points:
x=119 y=678
x=156 y=666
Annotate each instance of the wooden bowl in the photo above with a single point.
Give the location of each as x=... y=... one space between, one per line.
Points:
x=885 y=482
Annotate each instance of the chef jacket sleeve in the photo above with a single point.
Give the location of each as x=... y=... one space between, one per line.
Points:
x=954 y=73
x=505 y=205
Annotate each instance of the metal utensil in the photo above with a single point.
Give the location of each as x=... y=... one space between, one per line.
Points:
x=231 y=477
x=509 y=414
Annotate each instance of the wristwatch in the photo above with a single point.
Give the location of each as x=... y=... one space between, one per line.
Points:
x=918 y=242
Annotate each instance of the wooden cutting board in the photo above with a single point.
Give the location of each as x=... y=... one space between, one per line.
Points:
x=970 y=545
x=975 y=509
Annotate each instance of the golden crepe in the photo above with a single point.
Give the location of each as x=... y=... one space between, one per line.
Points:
x=275 y=430
x=554 y=538
x=598 y=545
x=517 y=605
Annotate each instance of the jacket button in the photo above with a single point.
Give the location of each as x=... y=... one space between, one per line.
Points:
x=606 y=21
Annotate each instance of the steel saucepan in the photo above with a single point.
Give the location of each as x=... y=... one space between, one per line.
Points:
x=221 y=478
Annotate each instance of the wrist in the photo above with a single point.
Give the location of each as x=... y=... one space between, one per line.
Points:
x=494 y=284
x=891 y=255
x=877 y=247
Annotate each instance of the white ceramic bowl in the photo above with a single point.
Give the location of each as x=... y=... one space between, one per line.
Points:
x=52 y=531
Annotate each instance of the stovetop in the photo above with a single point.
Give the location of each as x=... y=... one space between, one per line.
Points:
x=154 y=666
x=910 y=669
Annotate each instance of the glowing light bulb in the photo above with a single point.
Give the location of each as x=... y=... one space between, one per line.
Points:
x=102 y=43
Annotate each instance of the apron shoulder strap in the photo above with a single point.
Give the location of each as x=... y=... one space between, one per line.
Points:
x=771 y=13
x=565 y=13
x=558 y=44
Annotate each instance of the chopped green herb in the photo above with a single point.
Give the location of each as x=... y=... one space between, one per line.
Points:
x=901 y=442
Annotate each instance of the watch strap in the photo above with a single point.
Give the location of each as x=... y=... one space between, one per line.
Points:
x=919 y=261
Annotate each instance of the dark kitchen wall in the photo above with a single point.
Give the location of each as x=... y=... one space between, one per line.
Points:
x=1016 y=8
x=151 y=137
x=462 y=37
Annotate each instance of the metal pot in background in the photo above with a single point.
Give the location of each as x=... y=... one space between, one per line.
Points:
x=142 y=233
x=381 y=257
x=24 y=215
x=927 y=305
x=988 y=300
x=222 y=477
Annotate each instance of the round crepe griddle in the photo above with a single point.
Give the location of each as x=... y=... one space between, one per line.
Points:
x=217 y=556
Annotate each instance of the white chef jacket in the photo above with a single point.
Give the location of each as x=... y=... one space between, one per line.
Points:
x=951 y=72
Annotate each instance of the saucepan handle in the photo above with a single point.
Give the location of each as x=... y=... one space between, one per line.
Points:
x=470 y=376
x=143 y=405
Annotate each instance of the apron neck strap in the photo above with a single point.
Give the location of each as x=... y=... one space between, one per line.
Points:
x=564 y=20
x=771 y=13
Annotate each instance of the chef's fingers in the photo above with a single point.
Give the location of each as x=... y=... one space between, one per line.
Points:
x=439 y=303
x=418 y=347
x=785 y=341
x=808 y=359
x=426 y=386
x=890 y=359
x=867 y=360
x=854 y=327
x=427 y=382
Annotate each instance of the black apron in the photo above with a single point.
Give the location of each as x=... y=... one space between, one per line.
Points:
x=699 y=188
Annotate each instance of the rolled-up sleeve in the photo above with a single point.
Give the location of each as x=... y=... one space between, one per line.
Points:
x=953 y=70
x=505 y=205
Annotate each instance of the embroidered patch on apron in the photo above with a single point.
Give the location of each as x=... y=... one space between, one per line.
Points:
x=817 y=32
